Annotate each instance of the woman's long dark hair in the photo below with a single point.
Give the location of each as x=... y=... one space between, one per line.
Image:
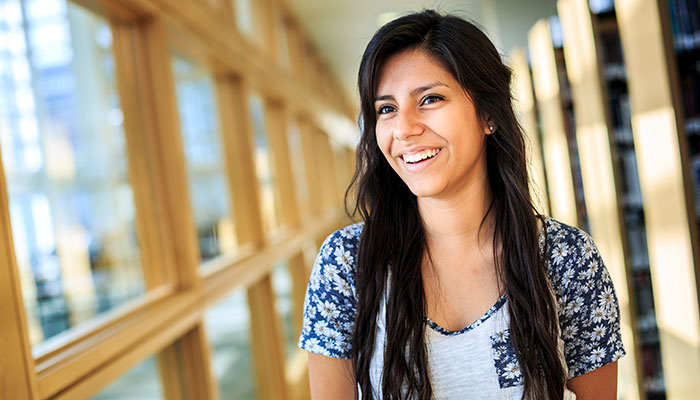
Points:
x=394 y=236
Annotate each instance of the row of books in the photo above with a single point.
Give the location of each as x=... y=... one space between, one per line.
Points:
x=690 y=90
x=685 y=23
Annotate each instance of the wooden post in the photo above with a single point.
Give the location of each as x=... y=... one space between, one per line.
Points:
x=266 y=338
x=596 y=152
x=152 y=123
x=666 y=185
x=276 y=117
x=554 y=142
x=18 y=379
x=525 y=106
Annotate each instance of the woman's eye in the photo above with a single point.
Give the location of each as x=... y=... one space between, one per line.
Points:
x=431 y=99
x=385 y=109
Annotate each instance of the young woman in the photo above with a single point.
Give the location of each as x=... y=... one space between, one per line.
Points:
x=453 y=286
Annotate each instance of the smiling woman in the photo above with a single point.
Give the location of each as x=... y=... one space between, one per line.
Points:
x=453 y=286
x=417 y=120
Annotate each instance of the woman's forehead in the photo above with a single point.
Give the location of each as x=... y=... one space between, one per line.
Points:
x=412 y=68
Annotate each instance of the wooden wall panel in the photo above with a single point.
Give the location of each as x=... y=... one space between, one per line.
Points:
x=593 y=130
x=556 y=149
x=660 y=160
x=525 y=106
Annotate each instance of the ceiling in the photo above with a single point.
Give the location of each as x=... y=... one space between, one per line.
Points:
x=341 y=28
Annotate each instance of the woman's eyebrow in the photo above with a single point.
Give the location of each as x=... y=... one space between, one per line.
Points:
x=414 y=92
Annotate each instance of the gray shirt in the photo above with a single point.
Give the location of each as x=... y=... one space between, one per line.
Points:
x=477 y=362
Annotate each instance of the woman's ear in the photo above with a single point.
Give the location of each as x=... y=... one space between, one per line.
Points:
x=490 y=126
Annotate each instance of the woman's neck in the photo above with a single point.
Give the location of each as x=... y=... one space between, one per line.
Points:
x=455 y=221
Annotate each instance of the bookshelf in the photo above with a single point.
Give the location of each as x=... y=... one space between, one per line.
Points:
x=661 y=40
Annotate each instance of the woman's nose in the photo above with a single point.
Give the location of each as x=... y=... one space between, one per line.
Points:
x=407 y=124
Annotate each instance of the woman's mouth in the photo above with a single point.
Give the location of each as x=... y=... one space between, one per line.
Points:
x=416 y=158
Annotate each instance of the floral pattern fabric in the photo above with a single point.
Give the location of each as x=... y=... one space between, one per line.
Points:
x=507 y=366
x=587 y=305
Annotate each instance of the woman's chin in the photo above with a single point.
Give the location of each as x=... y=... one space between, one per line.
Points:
x=423 y=190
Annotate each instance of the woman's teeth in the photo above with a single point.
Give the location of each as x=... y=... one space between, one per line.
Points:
x=414 y=158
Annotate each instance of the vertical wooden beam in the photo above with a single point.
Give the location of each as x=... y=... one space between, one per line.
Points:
x=237 y=135
x=151 y=223
x=525 y=106
x=313 y=175
x=266 y=341
x=152 y=125
x=554 y=142
x=328 y=168
x=18 y=379
x=672 y=239
x=276 y=117
x=300 y=278
x=266 y=337
x=296 y=53
x=264 y=14
x=596 y=149
x=195 y=358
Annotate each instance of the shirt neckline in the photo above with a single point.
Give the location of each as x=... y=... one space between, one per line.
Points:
x=446 y=332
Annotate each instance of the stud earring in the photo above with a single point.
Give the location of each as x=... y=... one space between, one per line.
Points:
x=491 y=128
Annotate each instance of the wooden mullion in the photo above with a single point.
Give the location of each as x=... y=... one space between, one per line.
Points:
x=153 y=84
x=160 y=124
x=556 y=148
x=266 y=341
x=296 y=54
x=276 y=122
x=154 y=248
x=300 y=277
x=196 y=360
x=237 y=136
x=311 y=167
x=264 y=26
x=266 y=337
x=528 y=119
x=18 y=379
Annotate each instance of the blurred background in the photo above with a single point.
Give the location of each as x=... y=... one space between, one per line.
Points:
x=170 y=168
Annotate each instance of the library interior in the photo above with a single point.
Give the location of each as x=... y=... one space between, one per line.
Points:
x=170 y=168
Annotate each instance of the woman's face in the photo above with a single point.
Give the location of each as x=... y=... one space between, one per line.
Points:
x=427 y=127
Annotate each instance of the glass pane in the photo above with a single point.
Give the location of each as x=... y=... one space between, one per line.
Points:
x=63 y=149
x=206 y=174
x=228 y=328
x=264 y=166
x=140 y=383
x=282 y=285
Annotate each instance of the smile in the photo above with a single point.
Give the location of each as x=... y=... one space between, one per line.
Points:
x=420 y=156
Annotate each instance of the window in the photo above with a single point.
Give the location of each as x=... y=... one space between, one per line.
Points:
x=142 y=382
x=264 y=166
x=206 y=176
x=282 y=285
x=228 y=327
x=63 y=149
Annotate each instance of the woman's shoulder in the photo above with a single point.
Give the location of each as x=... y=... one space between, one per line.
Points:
x=571 y=255
x=589 y=315
x=338 y=253
x=341 y=243
x=346 y=236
